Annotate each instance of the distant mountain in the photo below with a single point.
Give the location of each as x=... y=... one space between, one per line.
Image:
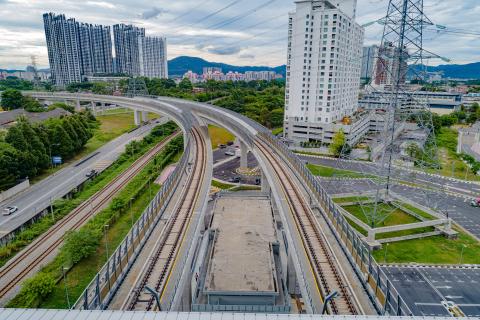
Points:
x=178 y=66
x=458 y=71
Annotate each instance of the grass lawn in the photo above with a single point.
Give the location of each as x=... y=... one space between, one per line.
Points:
x=435 y=250
x=350 y=199
x=451 y=164
x=387 y=215
x=277 y=131
x=323 y=171
x=221 y=185
x=219 y=136
x=111 y=126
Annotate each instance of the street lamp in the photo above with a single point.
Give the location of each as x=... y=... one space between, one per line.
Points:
x=65 y=283
x=105 y=229
x=331 y=296
x=130 y=209
x=385 y=256
x=155 y=295
x=461 y=253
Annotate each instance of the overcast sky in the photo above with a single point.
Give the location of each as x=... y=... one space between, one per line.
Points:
x=242 y=32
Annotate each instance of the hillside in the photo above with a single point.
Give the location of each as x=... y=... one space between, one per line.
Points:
x=178 y=66
x=457 y=71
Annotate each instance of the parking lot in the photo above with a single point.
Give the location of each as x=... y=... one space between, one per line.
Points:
x=425 y=288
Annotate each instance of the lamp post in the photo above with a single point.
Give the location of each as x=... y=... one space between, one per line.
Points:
x=385 y=256
x=461 y=253
x=331 y=296
x=105 y=229
x=130 y=209
x=65 y=283
x=155 y=295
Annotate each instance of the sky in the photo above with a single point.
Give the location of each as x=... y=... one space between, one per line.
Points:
x=240 y=32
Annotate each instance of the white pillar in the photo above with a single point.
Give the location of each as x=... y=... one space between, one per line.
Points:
x=243 y=155
x=264 y=183
x=77 y=105
x=144 y=116
x=459 y=142
x=136 y=117
x=93 y=108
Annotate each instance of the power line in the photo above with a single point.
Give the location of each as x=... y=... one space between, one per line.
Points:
x=231 y=4
x=240 y=16
x=201 y=4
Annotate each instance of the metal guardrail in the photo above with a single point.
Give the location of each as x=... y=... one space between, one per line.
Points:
x=102 y=288
x=386 y=298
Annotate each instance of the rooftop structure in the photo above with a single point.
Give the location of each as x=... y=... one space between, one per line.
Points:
x=42 y=314
x=241 y=267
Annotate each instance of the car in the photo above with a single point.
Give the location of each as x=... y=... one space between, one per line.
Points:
x=91 y=174
x=229 y=153
x=230 y=143
x=222 y=146
x=234 y=180
x=9 y=210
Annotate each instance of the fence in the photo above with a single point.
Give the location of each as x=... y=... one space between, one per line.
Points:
x=386 y=298
x=101 y=289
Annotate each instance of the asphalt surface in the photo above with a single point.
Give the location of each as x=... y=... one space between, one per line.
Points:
x=227 y=170
x=458 y=208
x=40 y=195
x=466 y=188
x=425 y=288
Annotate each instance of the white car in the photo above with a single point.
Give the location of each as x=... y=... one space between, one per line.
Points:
x=9 y=210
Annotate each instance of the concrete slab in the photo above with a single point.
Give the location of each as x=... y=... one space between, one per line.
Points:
x=241 y=259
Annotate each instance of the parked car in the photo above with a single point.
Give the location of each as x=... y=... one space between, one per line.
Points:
x=9 y=210
x=222 y=146
x=229 y=153
x=475 y=202
x=230 y=143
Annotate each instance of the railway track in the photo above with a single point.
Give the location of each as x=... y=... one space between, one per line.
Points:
x=17 y=269
x=324 y=267
x=161 y=263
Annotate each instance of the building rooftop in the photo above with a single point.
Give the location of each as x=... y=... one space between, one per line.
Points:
x=242 y=258
x=42 y=314
x=9 y=117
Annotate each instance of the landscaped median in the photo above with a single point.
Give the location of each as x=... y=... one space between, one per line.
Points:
x=436 y=249
x=85 y=251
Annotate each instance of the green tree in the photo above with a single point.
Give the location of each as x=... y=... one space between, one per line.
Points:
x=338 y=143
x=12 y=99
x=62 y=105
x=185 y=85
x=32 y=105
x=80 y=244
x=9 y=162
x=38 y=287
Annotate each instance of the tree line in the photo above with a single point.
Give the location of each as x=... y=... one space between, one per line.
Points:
x=26 y=149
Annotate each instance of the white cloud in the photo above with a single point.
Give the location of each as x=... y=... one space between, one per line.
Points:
x=251 y=40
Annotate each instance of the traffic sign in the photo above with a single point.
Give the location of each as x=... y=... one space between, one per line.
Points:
x=57 y=160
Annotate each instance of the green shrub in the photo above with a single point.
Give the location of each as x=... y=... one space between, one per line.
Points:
x=80 y=244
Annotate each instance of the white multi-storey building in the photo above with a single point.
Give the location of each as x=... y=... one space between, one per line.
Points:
x=323 y=69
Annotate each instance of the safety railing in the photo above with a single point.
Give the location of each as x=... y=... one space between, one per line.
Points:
x=386 y=298
x=102 y=288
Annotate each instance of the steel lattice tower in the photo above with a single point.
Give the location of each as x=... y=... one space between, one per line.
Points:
x=137 y=87
x=401 y=52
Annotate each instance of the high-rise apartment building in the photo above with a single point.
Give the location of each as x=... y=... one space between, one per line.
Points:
x=369 y=58
x=323 y=69
x=139 y=55
x=76 y=50
x=390 y=64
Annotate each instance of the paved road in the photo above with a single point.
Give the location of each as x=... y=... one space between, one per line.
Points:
x=227 y=170
x=39 y=196
x=465 y=188
x=458 y=208
x=424 y=289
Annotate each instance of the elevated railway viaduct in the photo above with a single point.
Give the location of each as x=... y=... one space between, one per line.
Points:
x=325 y=253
